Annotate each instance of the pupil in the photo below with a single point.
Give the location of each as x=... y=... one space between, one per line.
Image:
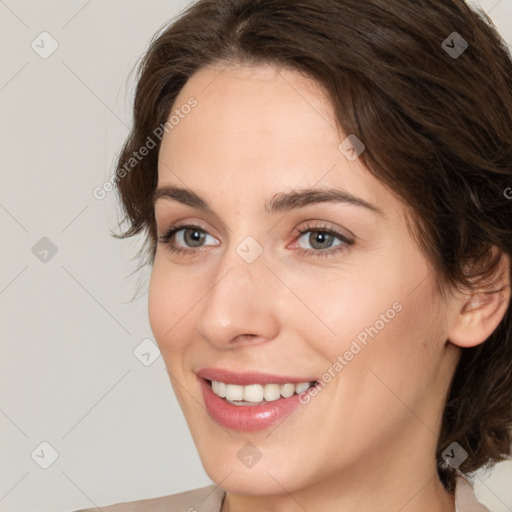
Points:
x=321 y=236
x=196 y=235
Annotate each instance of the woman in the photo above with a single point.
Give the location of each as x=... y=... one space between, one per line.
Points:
x=323 y=188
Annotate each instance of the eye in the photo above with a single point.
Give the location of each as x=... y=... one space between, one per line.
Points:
x=321 y=238
x=193 y=235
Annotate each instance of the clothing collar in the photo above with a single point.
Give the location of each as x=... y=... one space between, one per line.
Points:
x=465 y=498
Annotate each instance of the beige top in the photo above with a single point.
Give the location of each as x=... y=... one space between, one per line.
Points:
x=210 y=498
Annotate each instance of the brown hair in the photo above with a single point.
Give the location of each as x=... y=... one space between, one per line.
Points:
x=437 y=128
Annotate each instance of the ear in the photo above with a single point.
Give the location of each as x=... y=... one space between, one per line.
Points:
x=478 y=313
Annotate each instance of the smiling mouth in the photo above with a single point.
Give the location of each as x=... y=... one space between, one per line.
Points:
x=257 y=394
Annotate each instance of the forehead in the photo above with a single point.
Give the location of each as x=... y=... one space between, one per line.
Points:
x=259 y=100
x=258 y=128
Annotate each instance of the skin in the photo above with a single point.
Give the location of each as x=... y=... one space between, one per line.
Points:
x=367 y=441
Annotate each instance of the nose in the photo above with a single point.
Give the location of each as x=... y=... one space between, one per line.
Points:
x=241 y=305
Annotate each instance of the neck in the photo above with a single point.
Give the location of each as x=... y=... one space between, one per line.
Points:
x=428 y=495
x=402 y=476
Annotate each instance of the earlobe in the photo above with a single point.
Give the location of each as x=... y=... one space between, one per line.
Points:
x=478 y=316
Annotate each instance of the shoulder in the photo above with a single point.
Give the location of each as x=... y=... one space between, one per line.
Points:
x=465 y=498
x=203 y=499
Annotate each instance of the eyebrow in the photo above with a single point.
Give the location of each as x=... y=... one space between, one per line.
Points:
x=281 y=202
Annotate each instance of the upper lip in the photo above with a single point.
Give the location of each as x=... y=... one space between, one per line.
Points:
x=249 y=377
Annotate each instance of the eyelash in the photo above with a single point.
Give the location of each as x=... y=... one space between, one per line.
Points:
x=346 y=242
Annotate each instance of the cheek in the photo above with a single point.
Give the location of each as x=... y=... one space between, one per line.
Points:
x=385 y=384
x=397 y=366
x=168 y=304
x=385 y=322
x=366 y=288
x=348 y=305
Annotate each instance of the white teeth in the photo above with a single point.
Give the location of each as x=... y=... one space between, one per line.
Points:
x=234 y=392
x=219 y=388
x=257 y=393
x=302 y=387
x=287 y=390
x=222 y=389
x=272 y=392
x=252 y=393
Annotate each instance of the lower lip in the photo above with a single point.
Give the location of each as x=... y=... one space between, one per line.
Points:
x=248 y=418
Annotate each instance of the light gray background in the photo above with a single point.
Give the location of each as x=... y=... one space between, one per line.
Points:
x=69 y=376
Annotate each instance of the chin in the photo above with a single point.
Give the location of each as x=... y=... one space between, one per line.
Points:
x=251 y=482
x=264 y=478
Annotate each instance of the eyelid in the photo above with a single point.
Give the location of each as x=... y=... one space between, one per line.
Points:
x=316 y=224
x=189 y=223
x=321 y=225
x=182 y=226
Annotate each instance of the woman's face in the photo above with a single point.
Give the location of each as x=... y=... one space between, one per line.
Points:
x=357 y=311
